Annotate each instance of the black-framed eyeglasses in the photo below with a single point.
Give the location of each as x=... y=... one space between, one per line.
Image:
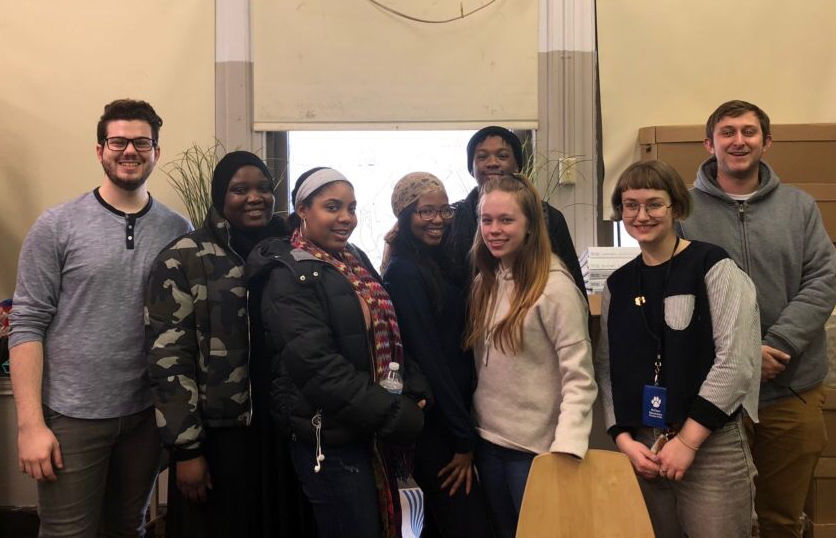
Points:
x=120 y=143
x=429 y=213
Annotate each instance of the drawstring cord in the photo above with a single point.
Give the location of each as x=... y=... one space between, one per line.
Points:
x=316 y=421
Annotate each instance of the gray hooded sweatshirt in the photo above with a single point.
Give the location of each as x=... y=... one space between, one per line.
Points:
x=778 y=238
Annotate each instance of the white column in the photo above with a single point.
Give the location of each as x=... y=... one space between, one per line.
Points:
x=568 y=116
x=234 y=77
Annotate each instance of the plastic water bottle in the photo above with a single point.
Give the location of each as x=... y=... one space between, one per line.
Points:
x=391 y=379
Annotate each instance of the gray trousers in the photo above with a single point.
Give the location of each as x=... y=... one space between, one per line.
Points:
x=109 y=470
x=716 y=497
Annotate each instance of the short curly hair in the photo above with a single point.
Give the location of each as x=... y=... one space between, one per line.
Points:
x=128 y=109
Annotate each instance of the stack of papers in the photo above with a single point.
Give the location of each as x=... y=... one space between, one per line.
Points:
x=598 y=263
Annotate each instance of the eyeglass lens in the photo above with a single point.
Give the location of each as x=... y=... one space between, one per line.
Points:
x=119 y=143
x=429 y=213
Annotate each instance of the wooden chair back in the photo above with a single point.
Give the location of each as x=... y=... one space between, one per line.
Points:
x=598 y=497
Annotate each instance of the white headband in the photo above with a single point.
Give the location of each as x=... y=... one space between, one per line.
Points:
x=315 y=181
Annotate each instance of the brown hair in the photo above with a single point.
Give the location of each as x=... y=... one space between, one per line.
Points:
x=128 y=109
x=736 y=109
x=657 y=175
x=530 y=270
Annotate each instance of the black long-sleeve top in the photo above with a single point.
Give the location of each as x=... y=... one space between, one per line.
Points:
x=433 y=339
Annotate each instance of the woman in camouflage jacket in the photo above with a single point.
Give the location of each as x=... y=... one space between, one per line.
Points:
x=198 y=338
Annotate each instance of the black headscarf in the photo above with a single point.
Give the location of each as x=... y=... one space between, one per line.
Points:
x=243 y=240
x=227 y=167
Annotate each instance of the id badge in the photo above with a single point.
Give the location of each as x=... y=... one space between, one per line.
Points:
x=654 y=400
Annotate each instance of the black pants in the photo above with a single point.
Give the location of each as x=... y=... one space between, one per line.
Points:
x=459 y=516
x=255 y=491
x=232 y=504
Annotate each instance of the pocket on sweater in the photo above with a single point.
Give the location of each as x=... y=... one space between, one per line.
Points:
x=678 y=311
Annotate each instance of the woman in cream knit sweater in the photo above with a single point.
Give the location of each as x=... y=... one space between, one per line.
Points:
x=528 y=327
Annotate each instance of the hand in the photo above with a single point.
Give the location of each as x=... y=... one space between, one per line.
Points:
x=458 y=471
x=422 y=403
x=193 y=478
x=645 y=462
x=774 y=361
x=674 y=459
x=39 y=453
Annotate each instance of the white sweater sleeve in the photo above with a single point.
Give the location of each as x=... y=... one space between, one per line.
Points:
x=734 y=379
x=565 y=319
x=602 y=363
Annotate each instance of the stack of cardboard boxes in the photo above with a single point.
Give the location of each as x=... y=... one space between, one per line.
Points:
x=821 y=501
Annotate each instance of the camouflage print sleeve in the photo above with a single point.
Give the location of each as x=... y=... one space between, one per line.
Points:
x=172 y=348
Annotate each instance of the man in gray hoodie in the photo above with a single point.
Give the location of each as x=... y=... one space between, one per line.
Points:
x=775 y=233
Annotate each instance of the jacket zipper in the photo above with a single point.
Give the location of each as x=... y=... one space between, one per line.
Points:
x=249 y=328
x=249 y=356
x=741 y=214
x=369 y=346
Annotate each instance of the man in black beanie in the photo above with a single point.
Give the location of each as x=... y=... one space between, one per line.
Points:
x=491 y=152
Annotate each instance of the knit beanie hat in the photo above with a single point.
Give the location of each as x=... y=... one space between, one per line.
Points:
x=411 y=187
x=227 y=167
x=493 y=130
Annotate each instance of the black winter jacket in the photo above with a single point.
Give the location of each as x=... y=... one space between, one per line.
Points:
x=322 y=359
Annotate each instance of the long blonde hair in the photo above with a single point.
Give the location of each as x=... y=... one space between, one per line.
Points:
x=530 y=270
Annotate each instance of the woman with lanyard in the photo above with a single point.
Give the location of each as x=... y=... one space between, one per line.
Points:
x=678 y=364
x=334 y=332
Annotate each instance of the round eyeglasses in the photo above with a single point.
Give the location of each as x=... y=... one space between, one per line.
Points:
x=655 y=209
x=429 y=213
x=120 y=143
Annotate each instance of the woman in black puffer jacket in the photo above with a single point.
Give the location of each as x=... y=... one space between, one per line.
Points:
x=333 y=331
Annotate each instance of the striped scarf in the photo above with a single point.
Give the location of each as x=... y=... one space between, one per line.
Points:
x=387 y=334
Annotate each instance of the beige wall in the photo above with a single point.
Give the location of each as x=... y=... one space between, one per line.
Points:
x=60 y=63
x=672 y=62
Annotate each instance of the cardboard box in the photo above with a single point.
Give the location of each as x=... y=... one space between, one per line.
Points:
x=822 y=530
x=801 y=155
x=830 y=424
x=821 y=499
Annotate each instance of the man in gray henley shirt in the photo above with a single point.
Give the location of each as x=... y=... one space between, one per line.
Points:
x=86 y=428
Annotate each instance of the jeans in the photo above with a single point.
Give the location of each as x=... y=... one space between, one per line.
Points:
x=786 y=444
x=343 y=492
x=109 y=470
x=716 y=497
x=503 y=473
